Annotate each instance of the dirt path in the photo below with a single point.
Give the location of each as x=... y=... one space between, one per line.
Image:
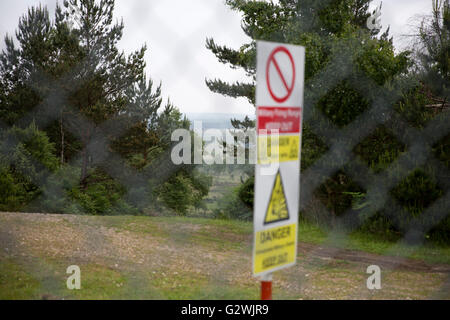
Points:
x=206 y=253
x=365 y=258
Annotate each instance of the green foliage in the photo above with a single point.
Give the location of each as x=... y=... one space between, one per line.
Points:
x=55 y=196
x=336 y=38
x=102 y=196
x=246 y=192
x=176 y=193
x=312 y=147
x=22 y=147
x=412 y=106
x=348 y=69
x=87 y=78
x=337 y=193
x=434 y=52
x=69 y=76
x=141 y=123
x=380 y=226
x=97 y=199
x=380 y=149
x=440 y=233
x=13 y=193
x=416 y=192
x=230 y=206
x=442 y=150
x=26 y=159
x=342 y=104
x=183 y=190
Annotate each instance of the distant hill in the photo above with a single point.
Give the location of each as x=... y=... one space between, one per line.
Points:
x=216 y=120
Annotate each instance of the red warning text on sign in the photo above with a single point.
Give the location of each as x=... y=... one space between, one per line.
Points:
x=283 y=119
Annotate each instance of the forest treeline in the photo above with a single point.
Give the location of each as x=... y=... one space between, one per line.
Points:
x=385 y=109
x=83 y=130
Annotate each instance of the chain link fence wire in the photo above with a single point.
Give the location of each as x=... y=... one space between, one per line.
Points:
x=339 y=157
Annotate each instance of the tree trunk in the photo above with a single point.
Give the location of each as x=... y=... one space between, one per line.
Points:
x=85 y=159
x=62 y=139
x=84 y=164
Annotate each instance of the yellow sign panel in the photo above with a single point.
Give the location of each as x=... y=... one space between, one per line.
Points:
x=277 y=209
x=274 y=248
x=278 y=148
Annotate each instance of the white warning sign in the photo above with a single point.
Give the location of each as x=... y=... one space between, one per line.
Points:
x=279 y=110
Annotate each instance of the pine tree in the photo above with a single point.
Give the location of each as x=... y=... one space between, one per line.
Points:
x=68 y=76
x=21 y=65
x=140 y=120
x=104 y=73
x=434 y=54
x=311 y=23
x=69 y=71
x=359 y=64
x=335 y=36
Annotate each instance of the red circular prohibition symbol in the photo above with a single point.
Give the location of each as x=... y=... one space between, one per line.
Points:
x=277 y=67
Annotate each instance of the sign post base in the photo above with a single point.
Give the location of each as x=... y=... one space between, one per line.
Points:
x=266 y=287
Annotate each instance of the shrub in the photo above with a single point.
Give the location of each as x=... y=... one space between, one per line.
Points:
x=230 y=206
x=102 y=195
x=183 y=190
x=246 y=192
x=26 y=160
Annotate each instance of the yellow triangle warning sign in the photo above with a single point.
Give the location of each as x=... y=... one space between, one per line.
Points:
x=277 y=209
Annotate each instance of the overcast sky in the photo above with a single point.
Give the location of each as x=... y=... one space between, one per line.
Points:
x=175 y=32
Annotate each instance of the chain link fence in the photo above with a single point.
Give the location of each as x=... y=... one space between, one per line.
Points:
x=95 y=240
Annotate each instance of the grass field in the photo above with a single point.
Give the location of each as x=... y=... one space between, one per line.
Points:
x=128 y=257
